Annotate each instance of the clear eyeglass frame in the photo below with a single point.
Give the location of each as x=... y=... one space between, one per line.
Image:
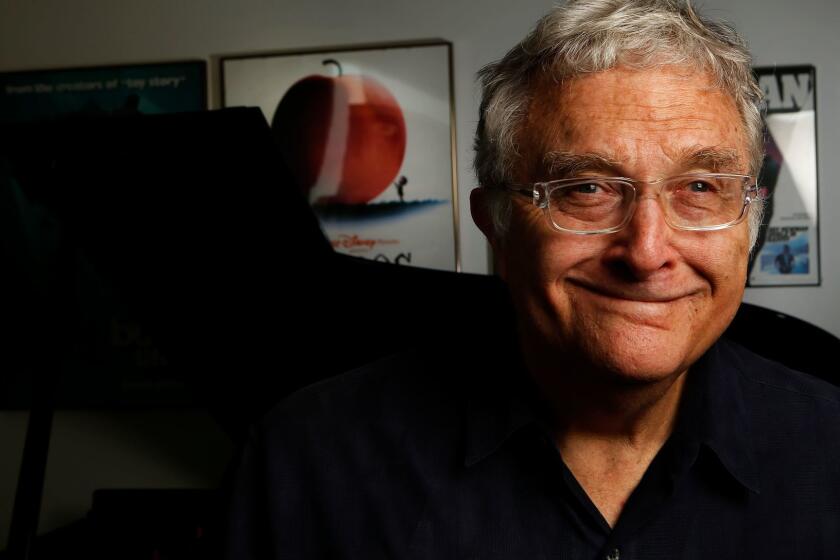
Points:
x=540 y=193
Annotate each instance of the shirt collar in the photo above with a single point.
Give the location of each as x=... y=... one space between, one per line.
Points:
x=713 y=412
x=497 y=404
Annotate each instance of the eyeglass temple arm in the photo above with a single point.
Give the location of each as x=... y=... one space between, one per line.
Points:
x=529 y=191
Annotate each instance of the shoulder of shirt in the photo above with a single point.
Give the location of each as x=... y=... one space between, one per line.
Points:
x=775 y=379
x=399 y=385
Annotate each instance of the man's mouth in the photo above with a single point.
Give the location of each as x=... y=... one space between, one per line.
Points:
x=643 y=293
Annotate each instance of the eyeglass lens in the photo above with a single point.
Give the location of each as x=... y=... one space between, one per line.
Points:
x=688 y=201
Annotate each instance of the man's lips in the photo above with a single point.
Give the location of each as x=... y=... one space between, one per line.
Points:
x=643 y=293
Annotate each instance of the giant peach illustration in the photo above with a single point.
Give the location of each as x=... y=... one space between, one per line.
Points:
x=343 y=137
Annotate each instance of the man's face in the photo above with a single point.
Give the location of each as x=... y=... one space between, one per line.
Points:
x=644 y=303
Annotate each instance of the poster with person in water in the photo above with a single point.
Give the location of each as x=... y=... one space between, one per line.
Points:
x=787 y=252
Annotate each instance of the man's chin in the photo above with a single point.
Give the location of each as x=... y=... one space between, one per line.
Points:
x=634 y=365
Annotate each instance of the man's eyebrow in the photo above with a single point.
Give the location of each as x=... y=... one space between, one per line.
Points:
x=712 y=159
x=561 y=164
x=568 y=164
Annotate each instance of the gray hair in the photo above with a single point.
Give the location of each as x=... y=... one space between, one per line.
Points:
x=587 y=36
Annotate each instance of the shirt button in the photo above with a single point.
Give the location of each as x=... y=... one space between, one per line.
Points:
x=613 y=555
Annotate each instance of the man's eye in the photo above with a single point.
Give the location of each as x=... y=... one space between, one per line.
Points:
x=699 y=187
x=588 y=188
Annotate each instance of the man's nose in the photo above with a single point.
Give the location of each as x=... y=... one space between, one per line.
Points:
x=644 y=245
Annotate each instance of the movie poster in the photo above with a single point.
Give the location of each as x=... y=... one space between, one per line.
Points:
x=367 y=135
x=112 y=360
x=787 y=252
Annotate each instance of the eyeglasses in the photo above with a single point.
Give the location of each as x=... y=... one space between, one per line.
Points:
x=695 y=202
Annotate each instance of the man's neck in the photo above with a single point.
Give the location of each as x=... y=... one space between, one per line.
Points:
x=581 y=400
x=607 y=430
x=636 y=416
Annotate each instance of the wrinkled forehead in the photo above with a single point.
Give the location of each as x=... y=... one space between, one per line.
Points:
x=625 y=113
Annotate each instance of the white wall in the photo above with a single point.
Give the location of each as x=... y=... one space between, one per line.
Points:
x=56 y=33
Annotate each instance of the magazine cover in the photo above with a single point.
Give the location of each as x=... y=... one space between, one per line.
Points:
x=787 y=251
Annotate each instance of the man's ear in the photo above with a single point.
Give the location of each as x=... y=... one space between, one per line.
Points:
x=480 y=210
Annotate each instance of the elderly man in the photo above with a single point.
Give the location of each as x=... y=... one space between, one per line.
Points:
x=617 y=152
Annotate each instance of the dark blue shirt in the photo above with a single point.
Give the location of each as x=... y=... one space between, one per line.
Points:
x=425 y=455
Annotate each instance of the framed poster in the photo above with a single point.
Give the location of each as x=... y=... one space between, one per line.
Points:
x=170 y=87
x=787 y=252
x=113 y=361
x=368 y=136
